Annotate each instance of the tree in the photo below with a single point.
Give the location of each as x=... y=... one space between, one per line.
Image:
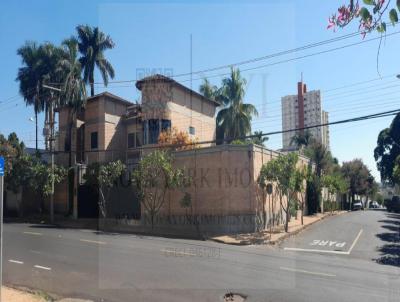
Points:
x=335 y=184
x=259 y=139
x=370 y=17
x=299 y=189
x=208 y=90
x=356 y=174
x=319 y=156
x=388 y=149
x=281 y=171
x=41 y=176
x=396 y=171
x=92 y=45
x=155 y=175
x=234 y=121
x=104 y=176
x=178 y=140
x=302 y=139
x=30 y=79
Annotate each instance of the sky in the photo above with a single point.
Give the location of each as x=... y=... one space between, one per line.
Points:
x=154 y=36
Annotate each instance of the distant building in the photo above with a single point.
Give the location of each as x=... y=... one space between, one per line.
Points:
x=301 y=110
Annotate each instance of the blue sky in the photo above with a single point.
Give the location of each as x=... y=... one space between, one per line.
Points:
x=155 y=35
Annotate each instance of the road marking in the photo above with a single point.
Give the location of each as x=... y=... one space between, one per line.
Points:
x=355 y=241
x=315 y=251
x=93 y=241
x=306 y=272
x=43 y=267
x=15 y=261
x=33 y=233
x=327 y=251
x=177 y=253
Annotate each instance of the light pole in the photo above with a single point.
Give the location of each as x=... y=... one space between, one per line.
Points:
x=51 y=142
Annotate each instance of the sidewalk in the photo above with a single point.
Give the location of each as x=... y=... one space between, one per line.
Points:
x=278 y=233
x=14 y=295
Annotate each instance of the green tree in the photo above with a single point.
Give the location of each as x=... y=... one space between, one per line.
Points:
x=155 y=175
x=299 y=182
x=335 y=184
x=92 y=45
x=208 y=90
x=104 y=176
x=302 y=139
x=388 y=149
x=41 y=177
x=396 y=171
x=281 y=171
x=356 y=174
x=234 y=120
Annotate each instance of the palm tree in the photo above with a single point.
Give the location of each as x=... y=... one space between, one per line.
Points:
x=92 y=43
x=302 y=139
x=319 y=156
x=259 y=139
x=208 y=90
x=39 y=67
x=235 y=119
x=30 y=80
x=73 y=87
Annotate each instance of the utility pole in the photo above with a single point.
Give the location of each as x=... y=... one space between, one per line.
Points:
x=51 y=142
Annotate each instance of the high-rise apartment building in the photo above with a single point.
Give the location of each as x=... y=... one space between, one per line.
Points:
x=301 y=110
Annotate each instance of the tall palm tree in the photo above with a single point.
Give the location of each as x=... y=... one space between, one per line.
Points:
x=92 y=43
x=208 y=90
x=73 y=91
x=235 y=119
x=302 y=139
x=319 y=156
x=30 y=80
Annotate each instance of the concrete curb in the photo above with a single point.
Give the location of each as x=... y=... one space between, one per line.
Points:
x=280 y=239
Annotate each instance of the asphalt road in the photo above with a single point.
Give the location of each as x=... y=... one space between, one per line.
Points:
x=351 y=257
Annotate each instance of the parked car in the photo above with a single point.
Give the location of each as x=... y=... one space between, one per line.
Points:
x=394 y=204
x=374 y=205
x=357 y=205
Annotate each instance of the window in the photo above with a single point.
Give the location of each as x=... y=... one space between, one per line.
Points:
x=135 y=140
x=93 y=140
x=165 y=125
x=192 y=130
x=154 y=131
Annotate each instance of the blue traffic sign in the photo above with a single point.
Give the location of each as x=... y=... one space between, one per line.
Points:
x=1 y=166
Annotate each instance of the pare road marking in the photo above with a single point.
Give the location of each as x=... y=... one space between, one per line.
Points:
x=16 y=261
x=43 y=267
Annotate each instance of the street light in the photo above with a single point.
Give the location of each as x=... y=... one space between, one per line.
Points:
x=51 y=141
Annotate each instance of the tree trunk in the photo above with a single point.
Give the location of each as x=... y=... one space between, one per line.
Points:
x=91 y=80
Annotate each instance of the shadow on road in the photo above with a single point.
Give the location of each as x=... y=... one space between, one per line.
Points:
x=390 y=251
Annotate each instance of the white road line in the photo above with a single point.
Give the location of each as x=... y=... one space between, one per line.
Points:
x=355 y=241
x=15 y=261
x=33 y=233
x=315 y=251
x=43 y=267
x=306 y=272
x=93 y=241
x=177 y=253
x=327 y=251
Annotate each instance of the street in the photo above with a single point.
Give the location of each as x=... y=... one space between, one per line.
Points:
x=349 y=257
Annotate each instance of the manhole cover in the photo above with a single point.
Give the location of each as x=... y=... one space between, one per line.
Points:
x=234 y=297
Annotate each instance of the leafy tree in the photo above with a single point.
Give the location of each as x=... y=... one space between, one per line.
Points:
x=388 y=149
x=41 y=176
x=104 y=177
x=259 y=139
x=335 y=184
x=179 y=139
x=92 y=44
x=298 y=184
x=281 y=171
x=234 y=121
x=155 y=175
x=319 y=156
x=356 y=173
x=396 y=171
x=302 y=139
x=370 y=17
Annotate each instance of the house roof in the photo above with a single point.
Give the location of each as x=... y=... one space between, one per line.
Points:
x=162 y=78
x=111 y=96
